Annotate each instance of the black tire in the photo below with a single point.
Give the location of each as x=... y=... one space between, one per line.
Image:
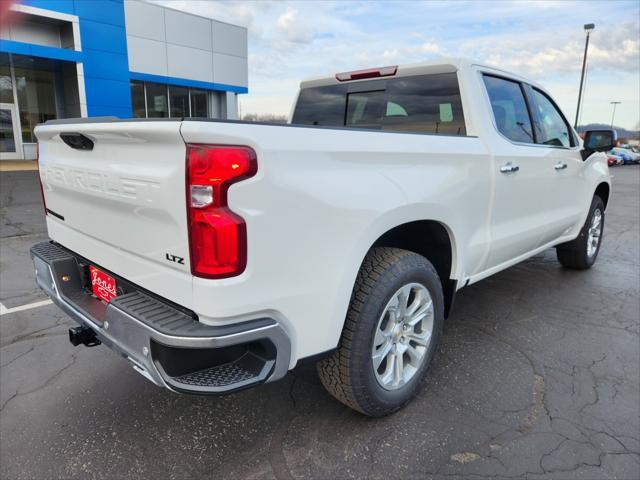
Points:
x=348 y=374
x=575 y=254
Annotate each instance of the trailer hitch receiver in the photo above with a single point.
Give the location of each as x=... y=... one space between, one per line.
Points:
x=83 y=335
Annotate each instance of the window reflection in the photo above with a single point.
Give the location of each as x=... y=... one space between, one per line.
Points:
x=137 y=99
x=167 y=101
x=509 y=109
x=421 y=104
x=199 y=104
x=36 y=99
x=157 y=105
x=6 y=89
x=179 y=98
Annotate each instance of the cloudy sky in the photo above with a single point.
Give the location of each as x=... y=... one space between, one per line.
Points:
x=544 y=40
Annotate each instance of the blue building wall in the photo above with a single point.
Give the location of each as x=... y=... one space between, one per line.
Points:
x=104 y=52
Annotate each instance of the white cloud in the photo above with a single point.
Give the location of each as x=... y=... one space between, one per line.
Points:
x=429 y=48
x=294 y=30
x=616 y=49
x=292 y=40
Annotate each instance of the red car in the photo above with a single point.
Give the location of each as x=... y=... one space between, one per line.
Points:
x=613 y=160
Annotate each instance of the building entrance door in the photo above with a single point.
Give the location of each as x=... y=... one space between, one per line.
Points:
x=10 y=143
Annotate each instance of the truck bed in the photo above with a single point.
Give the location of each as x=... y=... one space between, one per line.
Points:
x=122 y=205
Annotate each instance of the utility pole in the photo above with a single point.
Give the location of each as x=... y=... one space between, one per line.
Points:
x=614 y=111
x=588 y=28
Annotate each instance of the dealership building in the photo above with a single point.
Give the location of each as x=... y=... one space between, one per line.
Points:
x=122 y=58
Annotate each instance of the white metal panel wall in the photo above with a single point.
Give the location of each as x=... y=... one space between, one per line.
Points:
x=191 y=63
x=145 y=20
x=229 y=70
x=163 y=41
x=229 y=39
x=147 y=56
x=187 y=30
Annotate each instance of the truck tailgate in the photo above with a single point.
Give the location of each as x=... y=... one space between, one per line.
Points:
x=121 y=204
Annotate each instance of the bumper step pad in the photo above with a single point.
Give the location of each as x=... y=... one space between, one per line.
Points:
x=165 y=342
x=217 y=376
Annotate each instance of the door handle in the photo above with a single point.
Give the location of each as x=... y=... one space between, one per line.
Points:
x=560 y=166
x=509 y=168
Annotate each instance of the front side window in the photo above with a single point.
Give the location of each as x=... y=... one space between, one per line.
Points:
x=420 y=104
x=553 y=127
x=509 y=109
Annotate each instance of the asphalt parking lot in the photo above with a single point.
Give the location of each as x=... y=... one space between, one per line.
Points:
x=538 y=376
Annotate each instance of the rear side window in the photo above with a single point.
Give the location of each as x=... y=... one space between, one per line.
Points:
x=554 y=129
x=509 y=109
x=419 y=104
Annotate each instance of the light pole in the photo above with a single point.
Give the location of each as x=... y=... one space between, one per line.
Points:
x=584 y=92
x=614 y=111
x=588 y=28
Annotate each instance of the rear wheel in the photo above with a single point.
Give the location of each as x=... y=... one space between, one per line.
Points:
x=582 y=252
x=390 y=335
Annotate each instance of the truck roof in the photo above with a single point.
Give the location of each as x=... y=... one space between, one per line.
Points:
x=440 y=65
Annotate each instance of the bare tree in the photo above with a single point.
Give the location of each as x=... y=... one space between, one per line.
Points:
x=264 y=117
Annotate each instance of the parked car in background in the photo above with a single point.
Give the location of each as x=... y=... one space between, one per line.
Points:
x=614 y=160
x=627 y=156
x=633 y=148
x=635 y=155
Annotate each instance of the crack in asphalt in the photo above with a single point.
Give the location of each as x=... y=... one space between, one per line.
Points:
x=277 y=458
x=49 y=380
x=538 y=404
x=36 y=334
x=538 y=378
x=4 y=365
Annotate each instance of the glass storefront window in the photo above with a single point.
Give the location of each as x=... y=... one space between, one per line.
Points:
x=168 y=101
x=137 y=99
x=36 y=99
x=157 y=105
x=7 y=140
x=179 y=98
x=6 y=89
x=199 y=104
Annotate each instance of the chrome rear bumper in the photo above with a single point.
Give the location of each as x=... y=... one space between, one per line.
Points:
x=165 y=343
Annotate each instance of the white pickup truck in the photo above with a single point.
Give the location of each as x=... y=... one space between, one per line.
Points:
x=217 y=255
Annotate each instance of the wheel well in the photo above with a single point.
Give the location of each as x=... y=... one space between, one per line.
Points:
x=603 y=192
x=430 y=239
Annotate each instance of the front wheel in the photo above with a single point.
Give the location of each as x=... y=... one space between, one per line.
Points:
x=582 y=252
x=391 y=333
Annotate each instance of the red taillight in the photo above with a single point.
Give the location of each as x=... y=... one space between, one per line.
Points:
x=44 y=203
x=369 y=73
x=217 y=236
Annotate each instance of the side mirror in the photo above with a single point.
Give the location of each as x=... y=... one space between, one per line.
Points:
x=598 y=141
